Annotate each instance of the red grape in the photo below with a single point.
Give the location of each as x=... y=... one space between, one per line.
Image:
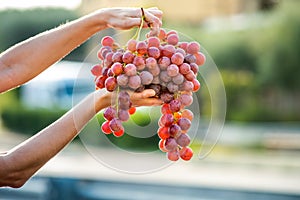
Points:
x=107 y=41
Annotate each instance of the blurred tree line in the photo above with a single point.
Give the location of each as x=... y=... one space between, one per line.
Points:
x=18 y=25
x=260 y=65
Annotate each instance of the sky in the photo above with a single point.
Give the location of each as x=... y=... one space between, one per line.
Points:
x=24 y=4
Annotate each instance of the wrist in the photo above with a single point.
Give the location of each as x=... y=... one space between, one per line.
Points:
x=102 y=100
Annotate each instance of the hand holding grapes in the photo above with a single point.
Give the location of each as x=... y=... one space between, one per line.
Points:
x=126 y=18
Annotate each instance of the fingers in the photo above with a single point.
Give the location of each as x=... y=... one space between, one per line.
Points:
x=145 y=98
x=153 y=18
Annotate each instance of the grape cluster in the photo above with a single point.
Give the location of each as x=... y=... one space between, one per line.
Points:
x=162 y=63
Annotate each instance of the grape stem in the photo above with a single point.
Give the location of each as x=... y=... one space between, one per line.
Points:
x=138 y=32
x=117 y=102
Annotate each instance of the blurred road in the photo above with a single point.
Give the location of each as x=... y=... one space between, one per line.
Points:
x=273 y=171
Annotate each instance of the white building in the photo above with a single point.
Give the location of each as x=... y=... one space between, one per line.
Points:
x=59 y=86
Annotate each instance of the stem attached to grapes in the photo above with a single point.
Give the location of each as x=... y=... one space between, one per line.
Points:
x=117 y=102
x=138 y=32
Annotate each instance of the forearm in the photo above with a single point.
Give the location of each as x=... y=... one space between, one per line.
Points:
x=23 y=161
x=27 y=59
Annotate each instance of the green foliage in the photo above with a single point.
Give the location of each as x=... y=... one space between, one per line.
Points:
x=278 y=49
x=19 y=25
x=129 y=141
x=28 y=121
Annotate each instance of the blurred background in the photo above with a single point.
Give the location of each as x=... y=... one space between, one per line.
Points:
x=255 y=45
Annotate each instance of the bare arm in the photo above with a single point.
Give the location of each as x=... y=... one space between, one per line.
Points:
x=27 y=59
x=20 y=163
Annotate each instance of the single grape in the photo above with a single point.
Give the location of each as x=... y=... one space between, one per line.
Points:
x=111 y=84
x=97 y=70
x=132 y=110
x=194 y=68
x=186 y=153
x=100 y=81
x=141 y=47
x=200 y=58
x=184 y=68
x=128 y=57
x=109 y=113
x=186 y=113
x=183 y=140
x=105 y=128
x=104 y=71
x=153 y=42
x=134 y=82
x=163 y=132
x=162 y=35
x=193 y=47
x=110 y=72
x=175 y=130
x=175 y=105
x=177 y=59
x=164 y=62
x=165 y=109
x=123 y=97
x=187 y=86
x=172 y=39
x=119 y=133
x=151 y=62
x=146 y=77
x=168 y=50
x=108 y=59
x=171 y=144
x=173 y=155
x=162 y=146
x=183 y=45
x=107 y=41
x=123 y=115
x=184 y=123
x=189 y=58
x=178 y=79
x=167 y=119
x=122 y=80
x=139 y=62
x=196 y=85
x=130 y=69
x=115 y=125
x=190 y=76
x=117 y=57
x=131 y=45
x=154 y=52
x=172 y=70
x=186 y=100
x=117 y=68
